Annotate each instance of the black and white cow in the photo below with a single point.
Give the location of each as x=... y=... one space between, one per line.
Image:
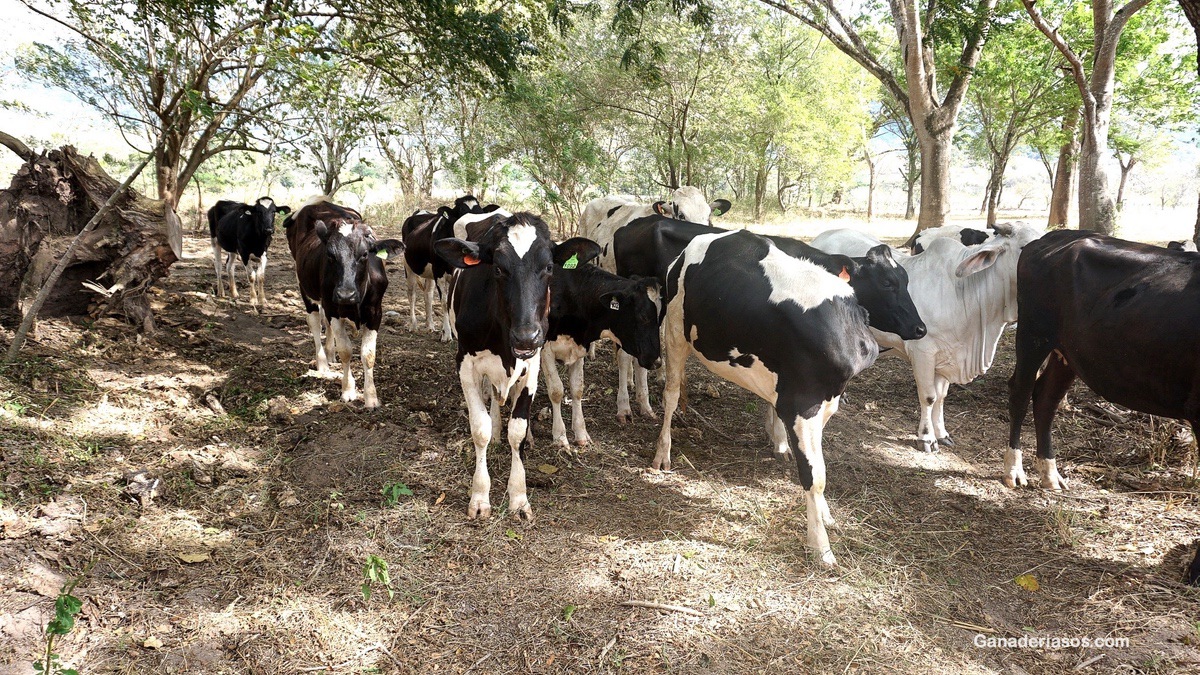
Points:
x=602 y=217
x=500 y=305
x=778 y=326
x=647 y=246
x=967 y=236
x=425 y=270
x=243 y=231
x=586 y=304
x=339 y=264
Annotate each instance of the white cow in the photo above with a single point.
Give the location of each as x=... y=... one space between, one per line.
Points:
x=600 y=220
x=966 y=296
x=602 y=217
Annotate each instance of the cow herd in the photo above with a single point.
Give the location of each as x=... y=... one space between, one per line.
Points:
x=788 y=321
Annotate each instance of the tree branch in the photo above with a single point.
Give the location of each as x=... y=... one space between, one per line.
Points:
x=1089 y=102
x=13 y=143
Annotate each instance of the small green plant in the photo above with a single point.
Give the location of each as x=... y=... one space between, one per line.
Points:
x=376 y=572
x=568 y=612
x=392 y=492
x=66 y=606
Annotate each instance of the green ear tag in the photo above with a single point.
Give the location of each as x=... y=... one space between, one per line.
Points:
x=382 y=253
x=571 y=262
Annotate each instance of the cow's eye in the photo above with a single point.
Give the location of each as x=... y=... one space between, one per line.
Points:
x=549 y=269
x=500 y=273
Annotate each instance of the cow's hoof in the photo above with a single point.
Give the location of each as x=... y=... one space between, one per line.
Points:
x=661 y=465
x=371 y=402
x=479 y=509
x=349 y=395
x=624 y=418
x=927 y=445
x=523 y=514
x=827 y=558
x=1051 y=478
x=1016 y=479
x=946 y=441
x=583 y=441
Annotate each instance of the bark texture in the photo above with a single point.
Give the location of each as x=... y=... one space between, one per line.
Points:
x=49 y=201
x=1060 y=197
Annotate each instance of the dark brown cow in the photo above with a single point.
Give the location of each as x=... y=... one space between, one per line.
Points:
x=339 y=265
x=1122 y=316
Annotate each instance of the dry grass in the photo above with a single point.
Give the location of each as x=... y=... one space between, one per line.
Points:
x=279 y=503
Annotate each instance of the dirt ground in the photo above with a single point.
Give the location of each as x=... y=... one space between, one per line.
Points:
x=250 y=558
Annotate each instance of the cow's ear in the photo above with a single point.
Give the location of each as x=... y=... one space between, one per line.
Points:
x=458 y=253
x=978 y=261
x=661 y=209
x=321 y=229
x=720 y=207
x=881 y=255
x=581 y=249
x=283 y=209
x=386 y=248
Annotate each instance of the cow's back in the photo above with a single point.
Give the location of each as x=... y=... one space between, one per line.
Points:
x=1125 y=315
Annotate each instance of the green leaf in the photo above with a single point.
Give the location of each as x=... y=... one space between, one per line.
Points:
x=568 y=612
x=366 y=591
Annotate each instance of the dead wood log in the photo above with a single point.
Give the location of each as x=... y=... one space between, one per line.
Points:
x=49 y=201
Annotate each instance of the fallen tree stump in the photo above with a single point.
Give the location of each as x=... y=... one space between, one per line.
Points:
x=49 y=201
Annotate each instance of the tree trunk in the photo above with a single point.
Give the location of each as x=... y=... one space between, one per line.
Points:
x=50 y=199
x=1191 y=9
x=1126 y=168
x=1064 y=174
x=1096 y=209
x=870 y=188
x=760 y=190
x=910 y=180
x=995 y=190
x=935 y=174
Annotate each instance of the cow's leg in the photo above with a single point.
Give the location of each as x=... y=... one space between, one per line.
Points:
x=230 y=269
x=217 y=266
x=518 y=432
x=641 y=381
x=252 y=282
x=443 y=290
x=315 y=323
x=675 y=351
x=575 y=376
x=805 y=431
x=1031 y=352
x=941 y=387
x=430 y=317
x=330 y=348
x=480 y=505
x=370 y=398
x=624 y=366
x=1049 y=389
x=778 y=434
x=554 y=391
x=341 y=342
x=413 y=282
x=262 y=282
x=926 y=377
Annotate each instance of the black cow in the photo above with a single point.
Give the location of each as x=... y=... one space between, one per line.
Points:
x=647 y=246
x=1186 y=245
x=244 y=231
x=586 y=304
x=778 y=326
x=339 y=264
x=1085 y=307
x=500 y=304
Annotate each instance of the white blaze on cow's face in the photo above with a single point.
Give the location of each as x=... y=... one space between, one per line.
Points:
x=522 y=237
x=800 y=281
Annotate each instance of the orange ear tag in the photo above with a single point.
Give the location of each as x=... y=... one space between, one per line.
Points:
x=470 y=260
x=844 y=276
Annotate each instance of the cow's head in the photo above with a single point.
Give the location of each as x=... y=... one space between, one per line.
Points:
x=522 y=258
x=1000 y=254
x=350 y=251
x=263 y=212
x=687 y=203
x=634 y=320
x=881 y=287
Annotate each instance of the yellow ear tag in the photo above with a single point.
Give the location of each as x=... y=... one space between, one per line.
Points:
x=571 y=262
x=382 y=253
